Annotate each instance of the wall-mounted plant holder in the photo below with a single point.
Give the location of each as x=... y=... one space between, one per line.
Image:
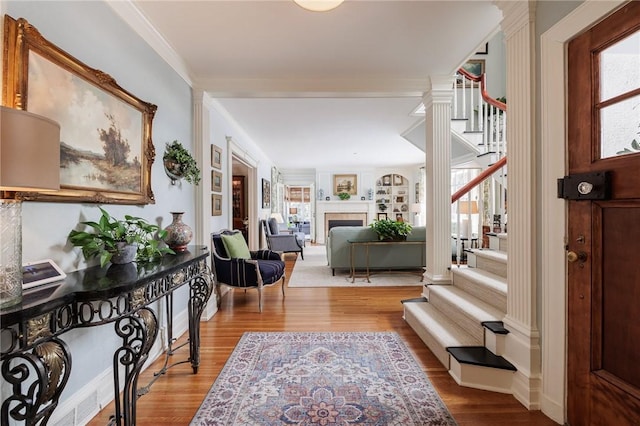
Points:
x=172 y=169
x=178 y=163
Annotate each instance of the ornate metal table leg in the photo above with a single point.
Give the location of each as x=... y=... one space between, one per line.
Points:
x=200 y=288
x=33 y=399
x=138 y=332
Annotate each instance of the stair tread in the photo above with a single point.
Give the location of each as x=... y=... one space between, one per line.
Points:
x=497 y=255
x=496 y=327
x=467 y=303
x=486 y=278
x=442 y=328
x=481 y=356
x=502 y=235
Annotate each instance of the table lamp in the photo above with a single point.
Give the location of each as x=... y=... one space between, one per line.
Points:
x=416 y=209
x=467 y=208
x=29 y=161
x=278 y=217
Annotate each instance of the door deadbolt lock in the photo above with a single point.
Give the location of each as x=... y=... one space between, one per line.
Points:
x=585 y=186
x=572 y=256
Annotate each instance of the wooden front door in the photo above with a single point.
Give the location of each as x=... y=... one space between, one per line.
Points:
x=603 y=246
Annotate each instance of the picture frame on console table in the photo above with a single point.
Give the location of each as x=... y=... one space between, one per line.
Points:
x=106 y=150
x=345 y=183
x=41 y=272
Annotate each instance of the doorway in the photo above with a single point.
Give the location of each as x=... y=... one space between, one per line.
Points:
x=298 y=208
x=239 y=201
x=243 y=167
x=603 y=233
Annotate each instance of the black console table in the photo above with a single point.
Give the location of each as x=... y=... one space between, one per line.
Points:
x=36 y=362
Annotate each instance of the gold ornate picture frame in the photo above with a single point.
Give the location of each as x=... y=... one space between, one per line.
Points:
x=345 y=183
x=106 y=150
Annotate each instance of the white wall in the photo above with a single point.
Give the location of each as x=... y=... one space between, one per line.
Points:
x=221 y=127
x=91 y=32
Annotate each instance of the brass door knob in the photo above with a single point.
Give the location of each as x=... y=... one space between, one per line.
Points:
x=572 y=256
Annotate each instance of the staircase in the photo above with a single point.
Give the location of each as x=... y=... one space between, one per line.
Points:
x=461 y=323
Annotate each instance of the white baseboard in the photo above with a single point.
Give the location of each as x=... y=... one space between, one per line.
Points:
x=527 y=390
x=83 y=405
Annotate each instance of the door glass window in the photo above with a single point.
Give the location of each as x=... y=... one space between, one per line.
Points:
x=619 y=109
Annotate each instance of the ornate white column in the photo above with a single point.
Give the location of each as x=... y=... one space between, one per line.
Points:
x=202 y=151
x=437 y=102
x=523 y=341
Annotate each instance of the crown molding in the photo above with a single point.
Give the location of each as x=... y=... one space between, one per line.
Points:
x=130 y=14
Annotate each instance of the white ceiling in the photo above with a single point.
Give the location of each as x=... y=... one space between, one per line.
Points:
x=319 y=89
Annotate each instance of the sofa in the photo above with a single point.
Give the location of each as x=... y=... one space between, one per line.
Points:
x=396 y=257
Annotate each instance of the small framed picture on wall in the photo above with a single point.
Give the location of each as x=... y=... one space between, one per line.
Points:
x=216 y=157
x=266 y=194
x=216 y=205
x=216 y=181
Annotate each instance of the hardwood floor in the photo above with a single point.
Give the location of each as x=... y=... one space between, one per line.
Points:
x=174 y=398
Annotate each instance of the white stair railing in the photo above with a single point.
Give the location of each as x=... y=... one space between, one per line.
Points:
x=484 y=114
x=487 y=116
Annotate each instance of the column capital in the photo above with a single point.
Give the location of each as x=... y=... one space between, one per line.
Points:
x=440 y=90
x=516 y=14
x=201 y=97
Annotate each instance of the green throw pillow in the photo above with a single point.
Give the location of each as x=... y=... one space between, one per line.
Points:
x=236 y=246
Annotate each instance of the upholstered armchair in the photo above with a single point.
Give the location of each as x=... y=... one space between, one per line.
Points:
x=241 y=268
x=285 y=243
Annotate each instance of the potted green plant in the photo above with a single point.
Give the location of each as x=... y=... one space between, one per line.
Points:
x=120 y=241
x=178 y=163
x=344 y=195
x=387 y=229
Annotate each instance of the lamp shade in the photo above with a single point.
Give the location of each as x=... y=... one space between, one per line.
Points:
x=468 y=207
x=29 y=151
x=318 y=5
x=278 y=217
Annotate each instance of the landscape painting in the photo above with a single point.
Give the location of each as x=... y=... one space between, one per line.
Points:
x=345 y=183
x=106 y=151
x=101 y=149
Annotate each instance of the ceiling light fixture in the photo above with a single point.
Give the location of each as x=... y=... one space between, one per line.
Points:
x=318 y=5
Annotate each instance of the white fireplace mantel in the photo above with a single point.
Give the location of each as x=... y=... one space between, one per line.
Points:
x=346 y=206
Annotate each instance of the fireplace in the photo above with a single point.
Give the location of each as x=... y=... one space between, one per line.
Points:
x=343 y=219
x=341 y=222
x=362 y=211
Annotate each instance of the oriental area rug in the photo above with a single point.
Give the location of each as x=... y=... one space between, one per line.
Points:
x=323 y=379
x=314 y=271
